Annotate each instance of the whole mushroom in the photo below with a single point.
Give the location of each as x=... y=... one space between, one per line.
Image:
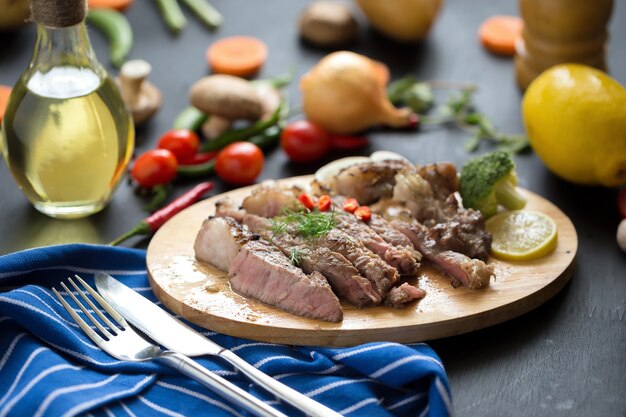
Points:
x=226 y=96
x=142 y=97
x=328 y=24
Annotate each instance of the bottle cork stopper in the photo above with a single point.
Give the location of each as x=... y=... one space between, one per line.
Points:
x=58 y=13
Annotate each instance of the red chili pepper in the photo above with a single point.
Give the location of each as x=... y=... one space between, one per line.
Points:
x=363 y=213
x=348 y=143
x=350 y=205
x=201 y=158
x=306 y=201
x=152 y=223
x=323 y=203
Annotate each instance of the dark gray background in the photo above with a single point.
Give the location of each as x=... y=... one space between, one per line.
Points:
x=565 y=358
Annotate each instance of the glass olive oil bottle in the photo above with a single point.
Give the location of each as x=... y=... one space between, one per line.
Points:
x=67 y=135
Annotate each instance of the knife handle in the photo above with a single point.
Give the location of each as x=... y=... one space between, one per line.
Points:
x=303 y=403
x=217 y=384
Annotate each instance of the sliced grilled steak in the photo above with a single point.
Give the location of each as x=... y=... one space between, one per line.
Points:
x=398 y=257
x=259 y=270
x=343 y=277
x=399 y=296
x=388 y=233
x=472 y=273
x=380 y=274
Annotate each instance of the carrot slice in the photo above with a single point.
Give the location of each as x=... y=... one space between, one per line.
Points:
x=237 y=55
x=119 y=5
x=499 y=33
x=5 y=92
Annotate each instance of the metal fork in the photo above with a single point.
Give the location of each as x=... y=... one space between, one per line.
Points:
x=123 y=343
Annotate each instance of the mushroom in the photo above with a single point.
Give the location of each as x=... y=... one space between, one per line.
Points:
x=226 y=96
x=142 y=97
x=621 y=235
x=328 y=24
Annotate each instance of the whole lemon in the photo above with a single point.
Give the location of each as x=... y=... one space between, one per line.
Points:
x=575 y=118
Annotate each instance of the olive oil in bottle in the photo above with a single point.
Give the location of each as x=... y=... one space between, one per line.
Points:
x=67 y=135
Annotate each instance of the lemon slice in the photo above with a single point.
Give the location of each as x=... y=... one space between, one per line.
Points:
x=522 y=235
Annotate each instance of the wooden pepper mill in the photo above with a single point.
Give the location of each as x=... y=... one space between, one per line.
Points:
x=561 y=31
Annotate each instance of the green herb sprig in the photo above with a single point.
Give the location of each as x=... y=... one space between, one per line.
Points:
x=310 y=225
x=458 y=110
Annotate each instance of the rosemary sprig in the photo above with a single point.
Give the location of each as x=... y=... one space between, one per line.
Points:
x=458 y=110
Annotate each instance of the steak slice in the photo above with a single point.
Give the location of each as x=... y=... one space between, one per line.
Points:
x=398 y=257
x=400 y=296
x=380 y=274
x=259 y=270
x=472 y=273
x=343 y=277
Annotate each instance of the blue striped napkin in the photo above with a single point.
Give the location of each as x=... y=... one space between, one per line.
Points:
x=48 y=367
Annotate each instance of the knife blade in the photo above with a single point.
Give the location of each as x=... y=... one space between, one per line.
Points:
x=175 y=335
x=153 y=320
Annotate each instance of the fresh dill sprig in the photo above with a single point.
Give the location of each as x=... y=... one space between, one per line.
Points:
x=310 y=225
x=295 y=256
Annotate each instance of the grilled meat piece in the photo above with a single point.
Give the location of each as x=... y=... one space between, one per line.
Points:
x=442 y=178
x=464 y=233
x=270 y=200
x=343 y=277
x=472 y=273
x=368 y=182
x=400 y=296
x=259 y=270
x=381 y=275
x=398 y=257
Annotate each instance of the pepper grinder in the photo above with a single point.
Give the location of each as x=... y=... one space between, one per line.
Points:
x=561 y=31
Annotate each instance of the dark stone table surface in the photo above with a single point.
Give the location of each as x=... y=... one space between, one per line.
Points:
x=565 y=358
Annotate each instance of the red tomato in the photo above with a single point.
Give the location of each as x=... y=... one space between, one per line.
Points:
x=239 y=163
x=154 y=167
x=304 y=141
x=183 y=143
x=621 y=202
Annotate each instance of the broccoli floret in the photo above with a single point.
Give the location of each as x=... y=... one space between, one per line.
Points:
x=490 y=180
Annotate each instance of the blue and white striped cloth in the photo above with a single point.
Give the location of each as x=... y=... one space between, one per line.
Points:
x=48 y=367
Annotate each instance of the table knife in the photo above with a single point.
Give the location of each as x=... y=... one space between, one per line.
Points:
x=179 y=337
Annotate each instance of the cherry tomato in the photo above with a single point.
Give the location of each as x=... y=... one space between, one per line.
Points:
x=154 y=167
x=183 y=143
x=239 y=163
x=304 y=141
x=621 y=202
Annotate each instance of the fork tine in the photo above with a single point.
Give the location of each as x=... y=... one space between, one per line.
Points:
x=81 y=323
x=96 y=323
x=116 y=316
x=96 y=310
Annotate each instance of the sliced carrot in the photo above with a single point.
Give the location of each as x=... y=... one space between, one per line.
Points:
x=5 y=92
x=499 y=33
x=237 y=55
x=119 y=5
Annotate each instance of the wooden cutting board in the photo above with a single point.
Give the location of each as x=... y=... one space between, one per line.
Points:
x=202 y=295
